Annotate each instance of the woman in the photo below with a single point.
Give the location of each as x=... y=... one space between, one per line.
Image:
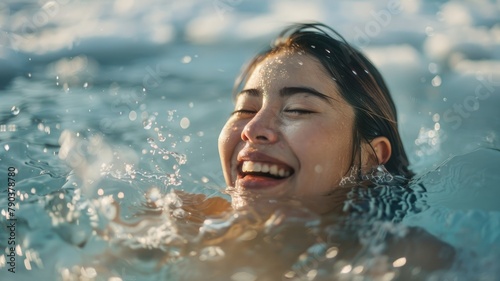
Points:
x=310 y=111
x=312 y=114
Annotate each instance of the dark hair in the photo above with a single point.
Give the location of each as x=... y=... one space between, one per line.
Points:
x=360 y=84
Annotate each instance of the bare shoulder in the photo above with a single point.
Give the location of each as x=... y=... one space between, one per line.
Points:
x=198 y=206
x=421 y=249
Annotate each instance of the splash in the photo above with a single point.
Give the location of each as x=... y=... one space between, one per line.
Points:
x=377 y=175
x=181 y=159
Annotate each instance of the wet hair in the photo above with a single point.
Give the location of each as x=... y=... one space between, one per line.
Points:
x=359 y=82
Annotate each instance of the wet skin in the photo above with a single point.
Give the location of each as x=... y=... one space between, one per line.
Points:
x=290 y=134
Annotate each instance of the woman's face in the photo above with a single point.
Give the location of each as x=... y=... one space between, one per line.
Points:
x=290 y=134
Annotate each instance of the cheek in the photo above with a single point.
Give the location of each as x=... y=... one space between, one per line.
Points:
x=229 y=137
x=324 y=149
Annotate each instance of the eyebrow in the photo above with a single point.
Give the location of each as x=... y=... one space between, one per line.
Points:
x=289 y=91
x=250 y=92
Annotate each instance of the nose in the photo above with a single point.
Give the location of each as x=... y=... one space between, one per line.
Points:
x=261 y=129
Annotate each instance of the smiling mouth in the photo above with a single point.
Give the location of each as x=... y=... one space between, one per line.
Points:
x=262 y=169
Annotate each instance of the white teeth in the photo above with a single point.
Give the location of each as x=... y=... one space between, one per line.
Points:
x=257 y=167
x=247 y=166
x=273 y=170
x=250 y=166
x=265 y=168
x=281 y=172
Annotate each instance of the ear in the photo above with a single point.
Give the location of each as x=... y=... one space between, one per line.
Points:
x=382 y=148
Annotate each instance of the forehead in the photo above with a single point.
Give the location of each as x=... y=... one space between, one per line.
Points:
x=291 y=68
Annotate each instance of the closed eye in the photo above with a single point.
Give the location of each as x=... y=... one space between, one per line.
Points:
x=243 y=112
x=299 y=111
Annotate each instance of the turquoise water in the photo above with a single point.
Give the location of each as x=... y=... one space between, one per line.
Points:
x=108 y=106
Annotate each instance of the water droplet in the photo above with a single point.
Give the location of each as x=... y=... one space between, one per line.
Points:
x=435 y=117
x=170 y=116
x=436 y=81
x=346 y=269
x=191 y=105
x=445 y=99
x=186 y=59
x=150 y=140
x=15 y=110
x=312 y=274
x=184 y=123
x=86 y=85
x=312 y=46
x=147 y=124
x=29 y=75
x=180 y=158
x=399 y=262
x=212 y=253
x=6 y=147
x=187 y=138
x=354 y=72
x=332 y=252
x=132 y=115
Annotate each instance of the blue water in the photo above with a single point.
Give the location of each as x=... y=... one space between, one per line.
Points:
x=126 y=99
